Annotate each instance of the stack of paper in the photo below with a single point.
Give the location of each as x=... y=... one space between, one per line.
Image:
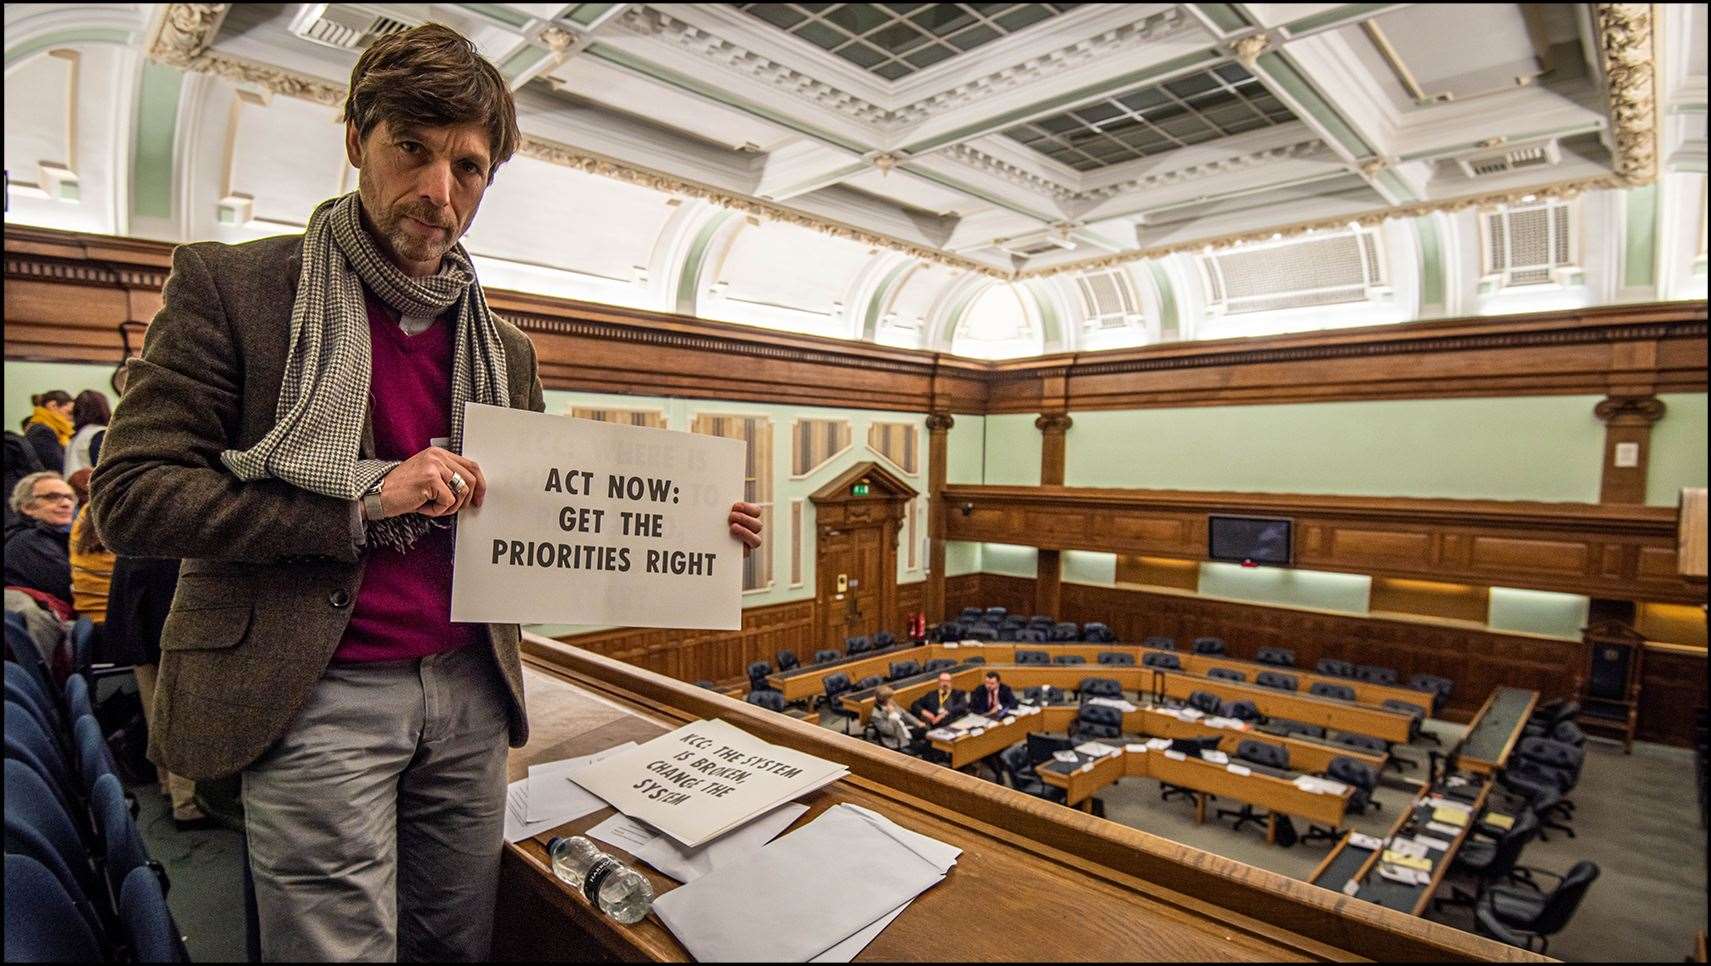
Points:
x=704 y=779
x=1190 y=714
x=1158 y=744
x=1120 y=705
x=1319 y=786
x=1095 y=749
x=1066 y=756
x=687 y=865
x=1371 y=843
x=943 y=734
x=547 y=799
x=1215 y=756
x=969 y=721
x=779 y=904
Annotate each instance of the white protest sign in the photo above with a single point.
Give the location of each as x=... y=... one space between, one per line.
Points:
x=587 y=522
x=704 y=779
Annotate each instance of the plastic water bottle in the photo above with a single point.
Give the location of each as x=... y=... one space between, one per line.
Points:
x=618 y=890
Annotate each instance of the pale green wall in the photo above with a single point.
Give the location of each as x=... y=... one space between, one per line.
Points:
x=1009 y=559
x=1538 y=612
x=1514 y=448
x=25 y=379
x=1349 y=593
x=1089 y=567
x=961 y=557
x=965 y=450
x=1677 y=456
x=1012 y=450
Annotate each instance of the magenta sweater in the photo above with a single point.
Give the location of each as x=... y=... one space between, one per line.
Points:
x=403 y=608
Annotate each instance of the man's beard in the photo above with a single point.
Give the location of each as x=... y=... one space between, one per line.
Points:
x=389 y=225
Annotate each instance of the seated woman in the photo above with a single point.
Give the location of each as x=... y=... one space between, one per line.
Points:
x=37 y=555
x=896 y=726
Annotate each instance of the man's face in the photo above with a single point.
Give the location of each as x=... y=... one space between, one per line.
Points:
x=51 y=501
x=420 y=187
x=992 y=683
x=944 y=681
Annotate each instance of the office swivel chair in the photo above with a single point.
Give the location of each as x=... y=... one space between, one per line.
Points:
x=939 y=664
x=1259 y=753
x=1367 y=743
x=1116 y=658
x=786 y=660
x=1096 y=721
x=1289 y=726
x=1227 y=674
x=757 y=675
x=1041 y=620
x=996 y=614
x=1373 y=674
x=1033 y=635
x=1041 y=696
x=1273 y=679
x=826 y=656
x=1243 y=710
x=766 y=698
x=1278 y=656
x=1162 y=659
x=835 y=685
x=1490 y=860
x=1069 y=659
x=1033 y=657
x=857 y=645
x=1334 y=667
x=1100 y=688
x=979 y=632
x=1064 y=631
x=871 y=681
x=1204 y=701
x=1160 y=643
x=1018 y=766
x=1010 y=632
x=947 y=631
x=1326 y=689
x=1209 y=645
x=1362 y=778
x=1518 y=915
x=903 y=669
x=1097 y=633
x=882 y=640
x=971 y=614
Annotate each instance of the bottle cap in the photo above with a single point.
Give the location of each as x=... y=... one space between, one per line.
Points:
x=553 y=842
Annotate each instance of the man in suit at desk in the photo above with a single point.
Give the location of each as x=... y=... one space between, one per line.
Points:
x=993 y=699
x=942 y=706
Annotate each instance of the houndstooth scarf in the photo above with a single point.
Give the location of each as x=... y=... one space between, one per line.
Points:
x=324 y=396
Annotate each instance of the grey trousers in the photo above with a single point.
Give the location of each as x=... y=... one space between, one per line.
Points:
x=376 y=823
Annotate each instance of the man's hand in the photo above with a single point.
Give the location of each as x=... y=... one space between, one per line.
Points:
x=422 y=484
x=745 y=525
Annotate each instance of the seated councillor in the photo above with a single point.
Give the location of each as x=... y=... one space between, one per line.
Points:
x=993 y=699
x=37 y=551
x=896 y=726
x=941 y=706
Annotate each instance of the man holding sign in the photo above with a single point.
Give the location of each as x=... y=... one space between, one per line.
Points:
x=293 y=433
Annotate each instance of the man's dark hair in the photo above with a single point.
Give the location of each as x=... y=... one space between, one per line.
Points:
x=993 y=675
x=432 y=76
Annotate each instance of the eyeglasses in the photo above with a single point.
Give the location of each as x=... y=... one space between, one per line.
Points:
x=55 y=497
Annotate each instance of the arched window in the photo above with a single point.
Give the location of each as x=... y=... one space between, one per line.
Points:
x=997 y=326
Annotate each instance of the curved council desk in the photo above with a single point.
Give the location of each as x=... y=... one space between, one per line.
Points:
x=1028 y=863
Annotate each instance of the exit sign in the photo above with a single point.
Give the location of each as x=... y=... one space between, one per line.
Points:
x=859 y=489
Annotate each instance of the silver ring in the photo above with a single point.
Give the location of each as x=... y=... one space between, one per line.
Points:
x=457 y=483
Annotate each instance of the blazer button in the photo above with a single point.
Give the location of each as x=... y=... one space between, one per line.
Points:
x=339 y=598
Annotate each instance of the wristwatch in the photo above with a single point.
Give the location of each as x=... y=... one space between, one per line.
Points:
x=371 y=507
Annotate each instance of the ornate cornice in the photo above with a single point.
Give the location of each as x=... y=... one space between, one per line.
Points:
x=1630 y=410
x=181 y=40
x=1625 y=33
x=26 y=265
x=1195 y=172
x=1013 y=173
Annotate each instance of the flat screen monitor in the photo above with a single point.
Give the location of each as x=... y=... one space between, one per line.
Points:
x=1249 y=540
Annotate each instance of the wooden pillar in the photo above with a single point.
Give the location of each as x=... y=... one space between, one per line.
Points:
x=1048 y=585
x=1627 y=446
x=938 y=447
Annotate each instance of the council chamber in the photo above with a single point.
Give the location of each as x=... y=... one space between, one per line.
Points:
x=1023 y=482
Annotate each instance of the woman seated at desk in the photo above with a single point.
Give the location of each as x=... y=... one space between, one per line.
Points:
x=896 y=726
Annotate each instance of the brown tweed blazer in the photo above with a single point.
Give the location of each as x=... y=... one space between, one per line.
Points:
x=269 y=570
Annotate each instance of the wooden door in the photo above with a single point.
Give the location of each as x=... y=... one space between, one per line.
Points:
x=857 y=554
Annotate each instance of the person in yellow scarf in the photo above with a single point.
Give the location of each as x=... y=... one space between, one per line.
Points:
x=91 y=562
x=49 y=427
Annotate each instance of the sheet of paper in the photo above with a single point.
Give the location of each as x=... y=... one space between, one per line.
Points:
x=943 y=734
x=1190 y=714
x=1450 y=816
x=1095 y=749
x=1498 y=820
x=1158 y=744
x=624 y=832
x=1406 y=861
x=1067 y=757
x=848 y=949
x=1236 y=769
x=687 y=865
x=970 y=721
x=756 y=909
x=1135 y=749
x=1432 y=843
x=553 y=796
x=1443 y=829
x=1215 y=756
x=703 y=779
x=517 y=824
x=1174 y=755
x=1371 y=843
x=589 y=522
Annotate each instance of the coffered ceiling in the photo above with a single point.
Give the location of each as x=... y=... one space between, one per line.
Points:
x=894 y=160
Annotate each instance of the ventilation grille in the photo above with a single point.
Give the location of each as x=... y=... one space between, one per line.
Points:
x=1524 y=246
x=346 y=26
x=1107 y=300
x=1536 y=155
x=1345 y=267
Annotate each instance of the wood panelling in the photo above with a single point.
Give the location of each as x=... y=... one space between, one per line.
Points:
x=712 y=655
x=1429 y=598
x=1601 y=550
x=66 y=293
x=1476 y=660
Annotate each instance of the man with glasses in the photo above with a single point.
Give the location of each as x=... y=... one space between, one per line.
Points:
x=37 y=552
